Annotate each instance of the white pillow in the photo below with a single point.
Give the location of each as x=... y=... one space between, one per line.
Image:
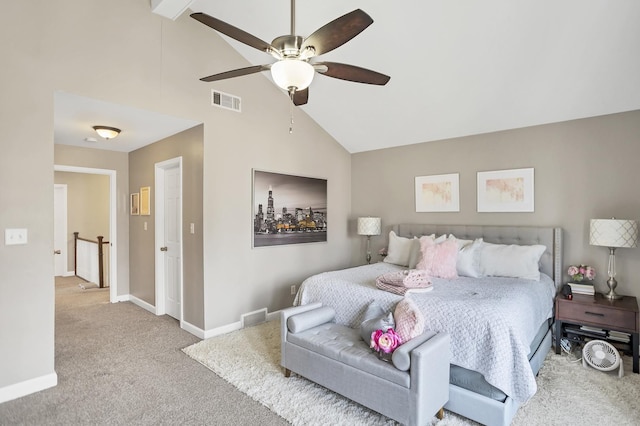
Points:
x=399 y=250
x=500 y=260
x=468 y=263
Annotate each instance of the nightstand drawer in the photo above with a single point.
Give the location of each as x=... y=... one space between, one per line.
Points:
x=599 y=315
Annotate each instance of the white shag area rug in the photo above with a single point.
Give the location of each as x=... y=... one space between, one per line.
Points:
x=568 y=394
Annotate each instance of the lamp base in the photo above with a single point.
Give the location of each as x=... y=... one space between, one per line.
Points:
x=612 y=295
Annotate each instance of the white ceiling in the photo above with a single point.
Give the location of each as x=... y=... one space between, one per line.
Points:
x=457 y=67
x=75 y=116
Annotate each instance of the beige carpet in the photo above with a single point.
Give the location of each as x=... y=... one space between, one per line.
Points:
x=119 y=364
x=568 y=394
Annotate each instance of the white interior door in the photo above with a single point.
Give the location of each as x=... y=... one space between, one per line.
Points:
x=60 y=244
x=169 y=238
x=173 y=256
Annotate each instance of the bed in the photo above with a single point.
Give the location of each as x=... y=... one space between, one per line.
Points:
x=500 y=326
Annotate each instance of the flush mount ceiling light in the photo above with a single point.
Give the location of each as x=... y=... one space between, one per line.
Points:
x=106 y=131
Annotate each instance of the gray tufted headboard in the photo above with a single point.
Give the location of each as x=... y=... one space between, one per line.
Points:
x=550 y=262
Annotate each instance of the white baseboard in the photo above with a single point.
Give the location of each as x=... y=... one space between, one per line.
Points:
x=68 y=274
x=125 y=298
x=232 y=327
x=144 y=305
x=224 y=329
x=28 y=387
x=186 y=326
x=273 y=315
x=196 y=331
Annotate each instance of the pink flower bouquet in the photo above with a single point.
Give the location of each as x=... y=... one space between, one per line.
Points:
x=581 y=272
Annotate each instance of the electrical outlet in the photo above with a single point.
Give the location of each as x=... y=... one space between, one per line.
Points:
x=293 y=290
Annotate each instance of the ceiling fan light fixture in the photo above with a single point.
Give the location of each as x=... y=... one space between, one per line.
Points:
x=106 y=132
x=292 y=73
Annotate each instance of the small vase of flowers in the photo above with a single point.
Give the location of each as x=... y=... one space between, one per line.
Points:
x=579 y=273
x=384 y=343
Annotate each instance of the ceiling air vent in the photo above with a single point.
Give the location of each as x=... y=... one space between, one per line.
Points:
x=225 y=100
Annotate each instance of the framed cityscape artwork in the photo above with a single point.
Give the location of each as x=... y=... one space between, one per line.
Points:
x=288 y=209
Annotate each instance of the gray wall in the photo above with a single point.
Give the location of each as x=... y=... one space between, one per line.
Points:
x=87 y=207
x=584 y=169
x=158 y=65
x=189 y=146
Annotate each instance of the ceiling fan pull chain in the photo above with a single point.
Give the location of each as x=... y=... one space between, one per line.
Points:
x=291 y=93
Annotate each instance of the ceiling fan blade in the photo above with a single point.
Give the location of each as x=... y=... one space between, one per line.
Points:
x=351 y=73
x=337 y=32
x=236 y=73
x=301 y=97
x=233 y=32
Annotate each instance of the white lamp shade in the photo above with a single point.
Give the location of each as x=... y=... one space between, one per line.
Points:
x=369 y=226
x=294 y=73
x=613 y=233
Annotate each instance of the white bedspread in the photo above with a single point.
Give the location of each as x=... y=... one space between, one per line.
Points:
x=491 y=320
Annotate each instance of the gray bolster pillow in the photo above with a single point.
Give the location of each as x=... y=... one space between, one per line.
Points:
x=306 y=320
x=401 y=357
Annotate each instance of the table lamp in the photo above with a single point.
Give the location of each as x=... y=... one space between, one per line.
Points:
x=613 y=233
x=369 y=226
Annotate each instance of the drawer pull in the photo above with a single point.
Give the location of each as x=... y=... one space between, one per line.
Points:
x=594 y=314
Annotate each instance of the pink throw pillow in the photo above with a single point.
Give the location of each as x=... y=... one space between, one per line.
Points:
x=409 y=320
x=439 y=260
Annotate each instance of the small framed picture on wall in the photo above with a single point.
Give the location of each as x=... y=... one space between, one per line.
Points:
x=145 y=201
x=135 y=204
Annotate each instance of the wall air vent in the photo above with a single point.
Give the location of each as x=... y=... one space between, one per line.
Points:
x=253 y=318
x=226 y=101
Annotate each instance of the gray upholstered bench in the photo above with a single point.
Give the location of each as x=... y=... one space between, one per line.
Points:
x=411 y=390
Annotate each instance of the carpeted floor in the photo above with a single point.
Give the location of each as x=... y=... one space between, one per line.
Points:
x=568 y=394
x=118 y=364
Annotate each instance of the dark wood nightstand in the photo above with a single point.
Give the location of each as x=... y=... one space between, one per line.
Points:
x=599 y=312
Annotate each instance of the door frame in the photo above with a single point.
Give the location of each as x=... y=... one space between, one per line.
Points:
x=65 y=252
x=113 y=222
x=159 y=169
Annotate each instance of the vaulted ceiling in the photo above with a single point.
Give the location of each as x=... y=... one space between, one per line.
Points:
x=459 y=67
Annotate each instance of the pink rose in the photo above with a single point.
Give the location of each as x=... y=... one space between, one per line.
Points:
x=572 y=270
x=388 y=341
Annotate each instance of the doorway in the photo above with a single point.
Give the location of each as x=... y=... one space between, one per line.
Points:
x=113 y=264
x=168 y=238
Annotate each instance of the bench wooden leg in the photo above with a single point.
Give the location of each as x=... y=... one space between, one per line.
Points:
x=287 y=372
x=440 y=414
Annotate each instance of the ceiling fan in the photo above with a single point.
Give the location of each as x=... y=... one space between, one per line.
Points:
x=293 y=72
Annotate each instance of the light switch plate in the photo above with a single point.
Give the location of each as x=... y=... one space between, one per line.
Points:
x=15 y=236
